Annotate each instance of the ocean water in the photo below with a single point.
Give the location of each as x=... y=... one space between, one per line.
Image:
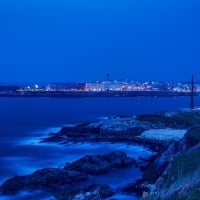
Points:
x=24 y=121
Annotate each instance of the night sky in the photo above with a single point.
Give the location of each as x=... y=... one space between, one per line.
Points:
x=82 y=40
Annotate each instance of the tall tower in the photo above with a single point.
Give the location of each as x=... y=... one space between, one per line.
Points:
x=192 y=93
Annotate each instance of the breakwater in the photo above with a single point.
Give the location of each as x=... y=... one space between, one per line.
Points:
x=79 y=94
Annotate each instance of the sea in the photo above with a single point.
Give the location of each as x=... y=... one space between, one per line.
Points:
x=25 y=121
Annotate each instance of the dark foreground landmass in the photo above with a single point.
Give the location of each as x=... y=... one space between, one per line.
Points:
x=172 y=173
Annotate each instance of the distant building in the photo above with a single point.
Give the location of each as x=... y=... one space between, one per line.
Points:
x=66 y=86
x=112 y=86
x=103 y=86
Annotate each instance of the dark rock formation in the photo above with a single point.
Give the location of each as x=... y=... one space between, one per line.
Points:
x=154 y=167
x=113 y=130
x=70 y=181
x=98 y=164
x=48 y=178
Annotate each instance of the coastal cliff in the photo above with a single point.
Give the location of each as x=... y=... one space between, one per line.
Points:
x=180 y=178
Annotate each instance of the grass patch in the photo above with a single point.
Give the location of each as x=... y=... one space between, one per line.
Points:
x=182 y=182
x=185 y=119
x=184 y=165
x=192 y=194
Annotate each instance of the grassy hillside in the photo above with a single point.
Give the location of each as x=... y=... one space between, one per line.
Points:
x=180 y=119
x=181 y=180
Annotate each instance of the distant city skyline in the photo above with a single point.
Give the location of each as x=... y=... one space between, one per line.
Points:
x=64 y=41
x=102 y=88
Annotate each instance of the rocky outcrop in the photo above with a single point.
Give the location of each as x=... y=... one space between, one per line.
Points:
x=180 y=180
x=174 y=159
x=155 y=168
x=129 y=129
x=94 y=165
x=114 y=129
x=48 y=178
x=70 y=180
x=164 y=159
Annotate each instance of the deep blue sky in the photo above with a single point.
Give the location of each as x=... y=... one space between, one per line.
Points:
x=78 y=40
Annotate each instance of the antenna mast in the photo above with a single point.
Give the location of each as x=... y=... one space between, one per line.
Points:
x=192 y=93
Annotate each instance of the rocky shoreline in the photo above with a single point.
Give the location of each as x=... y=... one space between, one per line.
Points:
x=117 y=129
x=70 y=182
x=159 y=132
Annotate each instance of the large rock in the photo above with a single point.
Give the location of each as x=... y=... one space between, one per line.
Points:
x=113 y=129
x=116 y=125
x=48 y=178
x=13 y=185
x=99 y=164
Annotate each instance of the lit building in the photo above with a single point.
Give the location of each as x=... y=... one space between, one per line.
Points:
x=66 y=86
